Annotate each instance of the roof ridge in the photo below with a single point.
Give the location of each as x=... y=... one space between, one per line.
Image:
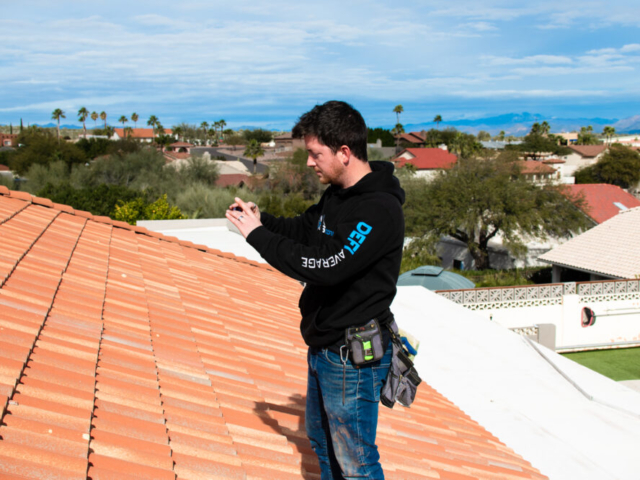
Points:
x=45 y=202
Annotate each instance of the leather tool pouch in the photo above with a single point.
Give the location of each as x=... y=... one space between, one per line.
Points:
x=365 y=343
x=402 y=380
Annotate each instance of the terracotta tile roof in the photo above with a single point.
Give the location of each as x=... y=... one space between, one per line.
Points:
x=125 y=354
x=412 y=137
x=181 y=144
x=609 y=249
x=141 y=132
x=4 y=168
x=427 y=158
x=601 y=199
x=532 y=167
x=588 y=150
x=232 y=179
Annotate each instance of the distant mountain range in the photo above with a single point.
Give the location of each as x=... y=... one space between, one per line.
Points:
x=517 y=124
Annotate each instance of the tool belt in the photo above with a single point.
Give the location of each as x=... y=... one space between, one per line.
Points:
x=402 y=380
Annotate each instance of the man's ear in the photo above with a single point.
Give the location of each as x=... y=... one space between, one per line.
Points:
x=344 y=153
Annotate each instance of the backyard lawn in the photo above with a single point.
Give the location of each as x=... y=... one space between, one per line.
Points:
x=618 y=364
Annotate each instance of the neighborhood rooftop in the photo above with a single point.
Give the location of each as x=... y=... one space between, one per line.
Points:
x=127 y=354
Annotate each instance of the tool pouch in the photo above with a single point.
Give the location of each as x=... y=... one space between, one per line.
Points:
x=402 y=380
x=365 y=343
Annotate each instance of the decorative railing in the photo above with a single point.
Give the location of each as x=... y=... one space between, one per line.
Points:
x=541 y=295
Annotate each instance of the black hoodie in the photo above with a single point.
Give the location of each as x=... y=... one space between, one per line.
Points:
x=347 y=249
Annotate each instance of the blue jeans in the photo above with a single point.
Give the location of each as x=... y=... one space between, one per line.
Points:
x=344 y=436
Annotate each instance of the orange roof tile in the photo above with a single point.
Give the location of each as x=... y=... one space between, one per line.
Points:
x=588 y=150
x=427 y=158
x=126 y=354
x=601 y=199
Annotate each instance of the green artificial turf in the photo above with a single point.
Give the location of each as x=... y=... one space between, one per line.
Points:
x=617 y=364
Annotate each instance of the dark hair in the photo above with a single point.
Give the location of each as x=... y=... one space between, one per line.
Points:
x=335 y=124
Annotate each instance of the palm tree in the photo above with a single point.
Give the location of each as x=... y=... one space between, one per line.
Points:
x=397 y=131
x=103 y=116
x=178 y=131
x=123 y=120
x=398 y=109
x=254 y=150
x=501 y=135
x=536 y=129
x=134 y=117
x=545 y=128
x=57 y=115
x=204 y=126
x=437 y=119
x=83 y=113
x=128 y=132
x=609 y=132
x=153 y=121
x=222 y=124
x=94 y=117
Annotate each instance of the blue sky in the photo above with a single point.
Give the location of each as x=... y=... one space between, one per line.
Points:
x=265 y=63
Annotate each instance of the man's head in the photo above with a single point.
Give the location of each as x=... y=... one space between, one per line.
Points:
x=335 y=124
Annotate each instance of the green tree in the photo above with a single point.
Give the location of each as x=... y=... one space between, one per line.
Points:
x=253 y=151
x=535 y=146
x=398 y=109
x=204 y=126
x=138 y=209
x=260 y=135
x=99 y=200
x=128 y=132
x=234 y=140
x=103 y=117
x=619 y=166
x=134 y=118
x=179 y=131
x=479 y=199
x=587 y=137
x=483 y=135
x=464 y=145
x=437 y=120
x=500 y=136
x=57 y=115
x=94 y=117
x=609 y=132
x=123 y=120
x=373 y=134
x=545 y=128
x=41 y=147
x=83 y=113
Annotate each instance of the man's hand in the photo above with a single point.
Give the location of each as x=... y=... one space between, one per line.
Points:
x=245 y=216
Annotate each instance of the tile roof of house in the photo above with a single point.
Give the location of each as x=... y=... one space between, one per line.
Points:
x=427 y=158
x=531 y=167
x=181 y=144
x=588 y=150
x=232 y=179
x=609 y=249
x=127 y=354
x=141 y=132
x=4 y=168
x=412 y=137
x=601 y=199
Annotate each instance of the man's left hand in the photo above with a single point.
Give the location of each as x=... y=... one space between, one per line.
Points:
x=244 y=219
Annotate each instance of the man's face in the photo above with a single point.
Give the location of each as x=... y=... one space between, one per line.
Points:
x=327 y=165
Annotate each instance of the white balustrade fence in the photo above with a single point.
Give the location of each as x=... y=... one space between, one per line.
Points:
x=616 y=304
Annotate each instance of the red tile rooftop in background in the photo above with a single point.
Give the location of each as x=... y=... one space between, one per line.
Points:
x=125 y=354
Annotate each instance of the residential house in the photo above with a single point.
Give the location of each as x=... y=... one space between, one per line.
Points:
x=131 y=355
x=140 y=134
x=411 y=139
x=427 y=161
x=539 y=172
x=569 y=138
x=286 y=143
x=608 y=250
x=9 y=140
x=582 y=156
x=602 y=201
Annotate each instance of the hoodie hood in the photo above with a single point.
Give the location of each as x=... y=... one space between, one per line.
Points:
x=381 y=179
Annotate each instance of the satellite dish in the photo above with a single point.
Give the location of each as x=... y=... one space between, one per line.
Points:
x=588 y=317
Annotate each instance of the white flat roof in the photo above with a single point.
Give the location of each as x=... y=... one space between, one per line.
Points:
x=568 y=421
x=214 y=233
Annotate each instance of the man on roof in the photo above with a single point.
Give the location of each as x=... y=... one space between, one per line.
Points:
x=347 y=250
